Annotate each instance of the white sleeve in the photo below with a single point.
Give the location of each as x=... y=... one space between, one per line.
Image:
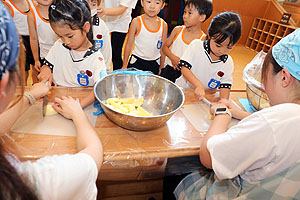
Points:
x=106 y=50
x=50 y=57
x=128 y=3
x=189 y=53
x=229 y=71
x=63 y=177
x=100 y=67
x=248 y=145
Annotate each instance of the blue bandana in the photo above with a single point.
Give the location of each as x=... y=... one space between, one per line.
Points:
x=9 y=42
x=287 y=53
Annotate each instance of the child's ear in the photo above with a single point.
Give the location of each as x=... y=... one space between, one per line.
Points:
x=286 y=78
x=163 y=5
x=86 y=27
x=202 y=18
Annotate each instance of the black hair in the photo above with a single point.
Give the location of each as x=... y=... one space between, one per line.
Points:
x=204 y=7
x=74 y=13
x=225 y=25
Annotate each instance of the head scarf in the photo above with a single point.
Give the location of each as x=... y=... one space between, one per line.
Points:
x=287 y=53
x=9 y=42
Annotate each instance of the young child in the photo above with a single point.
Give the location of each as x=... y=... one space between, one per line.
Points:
x=100 y=34
x=195 y=13
x=148 y=32
x=259 y=157
x=41 y=34
x=19 y=10
x=73 y=59
x=206 y=65
x=117 y=16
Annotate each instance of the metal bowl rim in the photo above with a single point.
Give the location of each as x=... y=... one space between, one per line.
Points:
x=155 y=116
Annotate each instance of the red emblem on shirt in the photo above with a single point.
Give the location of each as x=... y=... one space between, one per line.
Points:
x=220 y=73
x=99 y=36
x=100 y=58
x=89 y=73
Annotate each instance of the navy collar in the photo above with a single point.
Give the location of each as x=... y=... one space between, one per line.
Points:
x=206 y=45
x=89 y=52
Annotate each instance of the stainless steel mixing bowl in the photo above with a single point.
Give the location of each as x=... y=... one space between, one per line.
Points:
x=162 y=98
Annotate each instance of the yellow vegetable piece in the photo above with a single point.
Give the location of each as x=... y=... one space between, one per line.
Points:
x=211 y=117
x=130 y=107
x=139 y=101
x=110 y=100
x=127 y=100
x=142 y=112
x=50 y=111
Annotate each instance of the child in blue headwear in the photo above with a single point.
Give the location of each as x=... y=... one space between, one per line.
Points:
x=260 y=157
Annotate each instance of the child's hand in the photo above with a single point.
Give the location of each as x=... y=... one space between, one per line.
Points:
x=37 y=66
x=67 y=107
x=236 y=112
x=39 y=90
x=45 y=75
x=200 y=92
x=100 y=11
x=175 y=62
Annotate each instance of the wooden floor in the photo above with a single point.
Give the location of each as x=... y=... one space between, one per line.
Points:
x=241 y=57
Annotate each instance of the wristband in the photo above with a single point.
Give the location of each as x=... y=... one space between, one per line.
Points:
x=30 y=97
x=225 y=110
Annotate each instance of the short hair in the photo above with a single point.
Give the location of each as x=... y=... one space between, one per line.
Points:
x=204 y=7
x=269 y=59
x=225 y=25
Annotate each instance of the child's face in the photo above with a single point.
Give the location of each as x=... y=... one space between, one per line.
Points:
x=220 y=49
x=191 y=16
x=152 y=7
x=45 y=2
x=74 y=39
x=92 y=4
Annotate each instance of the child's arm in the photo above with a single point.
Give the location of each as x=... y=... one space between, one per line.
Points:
x=134 y=27
x=190 y=77
x=166 y=48
x=88 y=100
x=33 y=40
x=111 y=11
x=163 y=55
x=224 y=93
x=45 y=75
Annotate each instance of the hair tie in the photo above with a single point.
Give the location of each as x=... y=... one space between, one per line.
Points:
x=53 y=7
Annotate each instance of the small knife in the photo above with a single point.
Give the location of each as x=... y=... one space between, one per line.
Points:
x=208 y=103
x=45 y=102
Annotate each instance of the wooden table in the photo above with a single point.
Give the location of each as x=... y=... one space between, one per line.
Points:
x=128 y=155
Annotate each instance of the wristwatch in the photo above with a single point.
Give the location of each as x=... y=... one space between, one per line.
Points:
x=219 y=111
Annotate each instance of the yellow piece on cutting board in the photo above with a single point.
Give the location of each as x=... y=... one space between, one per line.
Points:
x=50 y=111
x=128 y=106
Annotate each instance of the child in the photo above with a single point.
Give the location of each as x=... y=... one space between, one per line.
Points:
x=41 y=34
x=117 y=16
x=206 y=65
x=259 y=157
x=19 y=10
x=148 y=32
x=100 y=34
x=195 y=13
x=73 y=59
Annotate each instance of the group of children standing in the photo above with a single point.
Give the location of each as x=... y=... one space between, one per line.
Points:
x=72 y=43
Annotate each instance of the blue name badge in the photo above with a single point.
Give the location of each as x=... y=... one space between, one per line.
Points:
x=83 y=80
x=159 y=44
x=99 y=44
x=213 y=84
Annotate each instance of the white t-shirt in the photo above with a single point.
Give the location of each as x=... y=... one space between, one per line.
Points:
x=260 y=146
x=65 y=177
x=118 y=23
x=102 y=39
x=206 y=70
x=71 y=72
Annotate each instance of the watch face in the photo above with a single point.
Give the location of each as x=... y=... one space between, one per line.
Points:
x=221 y=109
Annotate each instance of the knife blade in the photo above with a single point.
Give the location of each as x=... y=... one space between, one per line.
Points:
x=208 y=103
x=45 y=103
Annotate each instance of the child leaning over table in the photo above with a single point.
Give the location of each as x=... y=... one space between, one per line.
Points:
x=259 y=158
x=195 y=13
x=148 y=32
x=206 y=65
x=73 y=59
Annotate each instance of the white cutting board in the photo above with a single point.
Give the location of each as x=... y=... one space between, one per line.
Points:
x=32 y=122
x=198 y=114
